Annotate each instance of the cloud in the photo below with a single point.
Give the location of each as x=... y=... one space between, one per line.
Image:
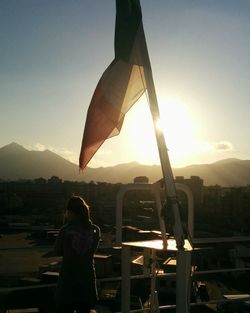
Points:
x=40 y=147
x=223 y=146
x=220 y=146
x=63 y=152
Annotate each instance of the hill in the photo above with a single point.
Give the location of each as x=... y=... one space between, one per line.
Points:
x=228 y=172
x=16 y=162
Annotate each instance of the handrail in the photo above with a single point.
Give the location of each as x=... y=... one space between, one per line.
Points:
x=155 y=189
x=119 y=206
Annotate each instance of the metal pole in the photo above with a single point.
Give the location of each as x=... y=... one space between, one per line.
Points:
x=154 y=304
x=125 y=279
x=165 y=162
x=119 y=206
x=183 y=275
x=190 y=198
x=181 y=303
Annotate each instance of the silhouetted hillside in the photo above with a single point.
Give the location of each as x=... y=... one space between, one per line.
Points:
x=17 y=162
x=228 y=172
x=123 y=173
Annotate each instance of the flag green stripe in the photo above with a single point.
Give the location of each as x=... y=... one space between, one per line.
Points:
x=128 y=19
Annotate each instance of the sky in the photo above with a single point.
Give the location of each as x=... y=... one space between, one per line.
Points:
x=53 y=52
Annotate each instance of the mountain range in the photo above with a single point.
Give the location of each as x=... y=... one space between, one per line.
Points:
x=16 y=163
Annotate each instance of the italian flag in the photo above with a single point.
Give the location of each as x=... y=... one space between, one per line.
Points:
x=122 y=83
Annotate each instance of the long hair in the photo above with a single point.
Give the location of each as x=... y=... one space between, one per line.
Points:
x=80 y=208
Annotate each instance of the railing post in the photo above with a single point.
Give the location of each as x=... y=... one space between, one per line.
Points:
x=183 y=276
x=125 y=301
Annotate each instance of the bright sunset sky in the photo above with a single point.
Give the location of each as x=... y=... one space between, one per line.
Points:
x=53 y=52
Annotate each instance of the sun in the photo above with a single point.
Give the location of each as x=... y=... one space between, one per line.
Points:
x=179 y=128
x=140 y=131
x=177 y=124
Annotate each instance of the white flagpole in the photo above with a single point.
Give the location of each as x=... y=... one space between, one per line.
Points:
x=183 y=258
x=164 y=158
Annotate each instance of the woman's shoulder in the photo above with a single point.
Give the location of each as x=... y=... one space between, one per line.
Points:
x=67 y=228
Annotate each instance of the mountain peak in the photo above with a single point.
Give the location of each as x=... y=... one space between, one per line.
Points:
x=13 y=147
x=228 y=161
x=18 y=163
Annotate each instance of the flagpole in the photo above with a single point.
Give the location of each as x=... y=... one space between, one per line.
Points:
x=164 y=159
x=183 y=257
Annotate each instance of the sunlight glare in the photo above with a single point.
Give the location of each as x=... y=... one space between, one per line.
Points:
x=178 y=126
x=176 y=123
x=139 y=126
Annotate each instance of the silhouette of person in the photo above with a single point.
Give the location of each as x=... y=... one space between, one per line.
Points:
x=77 y=241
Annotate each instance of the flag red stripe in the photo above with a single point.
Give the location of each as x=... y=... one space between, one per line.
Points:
x=122 y=83
x=103 y=121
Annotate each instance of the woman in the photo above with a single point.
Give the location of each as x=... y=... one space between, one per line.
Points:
x=77 y=242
